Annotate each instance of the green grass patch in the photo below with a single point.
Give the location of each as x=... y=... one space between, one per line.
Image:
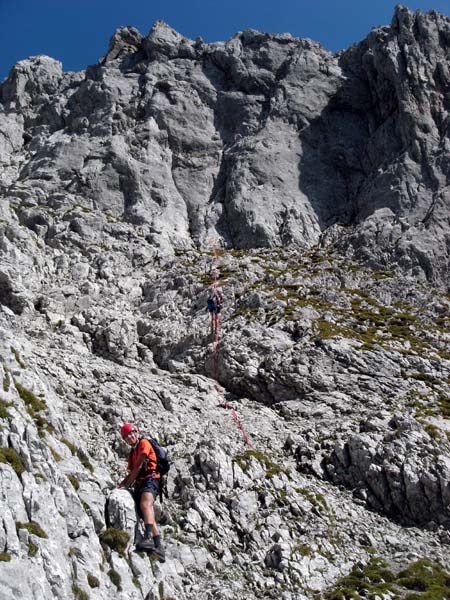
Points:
x=327 y=330
x=271 y=468
x=32 y=402
x=425 y=378
x=5 y=556
x=236 y=253
x=316 y=258
x=429 y=579
x=302 y=549
x=4 y=413
x=116 y=579
x=116 y=539
x=93 y=581
x=10 y=457
x=421 y=404
x=444 y=405
x=369 y=322
x=19 y=361
x=74 y=553
x=74 y=481
x=404 y=318
x=380 y=275
x=316 y=499
x=374 y=578
x=6 y=380
x=422 y=580
x=366 y=316
x=56 y=456
x=79 y=594
x=223 y=274
x=33 y=528
x=85 y=461
x=443 y=322
x=250 y=314
x=433 y=431
x=43 y=425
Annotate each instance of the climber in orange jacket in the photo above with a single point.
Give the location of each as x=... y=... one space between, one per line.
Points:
x=144 y=479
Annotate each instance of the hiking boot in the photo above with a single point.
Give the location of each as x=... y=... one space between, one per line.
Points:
x=145 y=545
x=159 y=552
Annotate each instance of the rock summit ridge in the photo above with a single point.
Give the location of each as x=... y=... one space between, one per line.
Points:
x=262 y=141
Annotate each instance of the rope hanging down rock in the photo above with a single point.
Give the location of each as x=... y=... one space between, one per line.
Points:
x=219 y=389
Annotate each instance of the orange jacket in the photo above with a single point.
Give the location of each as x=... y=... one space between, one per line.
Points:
x=149 y=467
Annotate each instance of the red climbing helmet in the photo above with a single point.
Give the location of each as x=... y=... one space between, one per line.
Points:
x=126 y=429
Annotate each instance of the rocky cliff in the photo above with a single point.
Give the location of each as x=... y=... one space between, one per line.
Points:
x=322 y=181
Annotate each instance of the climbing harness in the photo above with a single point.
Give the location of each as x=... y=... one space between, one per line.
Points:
x=219 y=389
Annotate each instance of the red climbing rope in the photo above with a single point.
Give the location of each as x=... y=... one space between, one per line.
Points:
x=216 y=352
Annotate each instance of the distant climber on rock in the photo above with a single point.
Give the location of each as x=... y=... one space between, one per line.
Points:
x=214 y=304
x=144 y=479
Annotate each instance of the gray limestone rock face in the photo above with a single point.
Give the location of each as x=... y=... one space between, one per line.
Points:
x=262 y=141
x=126 y=40
x=31 y=83
x=401 y=470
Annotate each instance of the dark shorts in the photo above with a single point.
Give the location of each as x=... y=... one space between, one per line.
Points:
x=214 y=310
x=150 y=485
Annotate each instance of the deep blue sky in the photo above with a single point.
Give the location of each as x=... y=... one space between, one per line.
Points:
x=77 y=32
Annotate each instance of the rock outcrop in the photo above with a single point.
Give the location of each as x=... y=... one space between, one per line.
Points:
x=262 y=141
